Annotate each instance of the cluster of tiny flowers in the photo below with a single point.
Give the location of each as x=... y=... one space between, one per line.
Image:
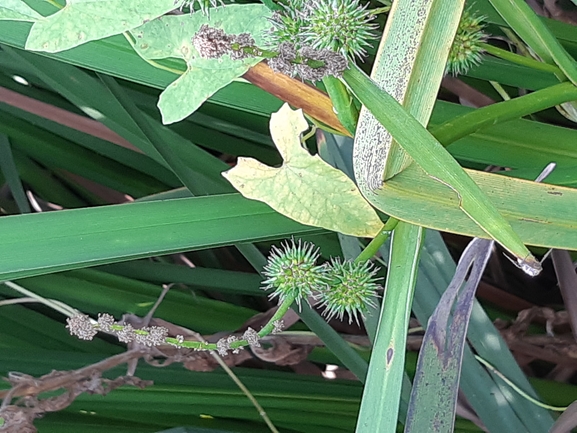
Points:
x=343 y=26
x=213 y=43
x=466 y=50
x=309 y=63
x=84 y=328
x=291 y=63
x=81 y=326
x=343 y=288
x=278 y=326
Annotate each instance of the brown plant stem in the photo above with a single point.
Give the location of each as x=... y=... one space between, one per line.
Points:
x=311 y=100
x=51 y=383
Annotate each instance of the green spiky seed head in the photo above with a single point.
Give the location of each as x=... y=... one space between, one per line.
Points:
x=466 y=50
x=292 y=272
x=287 y=26
x=351 y=289
x=343 y=26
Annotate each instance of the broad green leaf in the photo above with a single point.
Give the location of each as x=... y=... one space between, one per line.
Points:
x=171 y=37
x=542 y=215
x=305 y=188
x=81 y=21
x=17 y=10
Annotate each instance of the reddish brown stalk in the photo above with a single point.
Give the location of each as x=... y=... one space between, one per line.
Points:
x=63 y=117
x=311 y=100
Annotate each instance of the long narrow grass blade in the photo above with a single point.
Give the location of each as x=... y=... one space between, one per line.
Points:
x=380 y=404
x=10 y=173
x=109 y=234
x=441 y=356
x=477 y=120
x=535 y=33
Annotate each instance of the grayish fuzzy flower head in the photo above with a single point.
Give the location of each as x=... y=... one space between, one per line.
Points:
x=213 y=43
x=126 y=334
x=105 y=322
x=251 y=336
x=81 y=327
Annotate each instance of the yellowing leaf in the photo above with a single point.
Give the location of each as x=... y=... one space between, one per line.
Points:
x=82 y=21
x=304 y=188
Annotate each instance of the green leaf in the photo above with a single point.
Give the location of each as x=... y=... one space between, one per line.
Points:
x=17 y=10
x=541 y=214
x=438 y=165
x=380 y=404
x=171 y=37
x=81 y=21
x=441 y=355
x=305 y=188
x=525 y=22
x=109 y=234
x=10 y=172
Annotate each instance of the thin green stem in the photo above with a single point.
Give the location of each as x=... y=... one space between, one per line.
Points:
x=461 y=126
x=500 y=90
x=55 y=4
x=244 y=389
x=343 y=103
x=381 y=10
x=280 y=312
x=373 y=247
x=517 y=389
x=55 y=305
x=310 y=134
x=521 y=60
x=246 y=392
